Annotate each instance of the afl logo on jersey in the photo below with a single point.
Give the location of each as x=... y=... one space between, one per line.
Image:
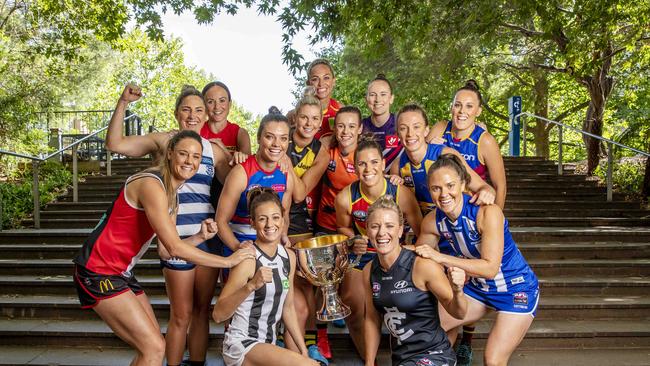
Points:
x=360 y=215
x=349 y=167
x=424 y=362
x=331 y=166
x=446 y=235
x=400 y=284
x=376 y=287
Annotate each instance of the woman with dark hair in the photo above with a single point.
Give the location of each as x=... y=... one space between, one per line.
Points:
x=320 y=75
x=259 y=293
x=190 y=290
x=479 y=241
x=404 y=290
x=259 y=170
x=351 y=211
x=218 y=102
x=381 y=122
x=144 y=208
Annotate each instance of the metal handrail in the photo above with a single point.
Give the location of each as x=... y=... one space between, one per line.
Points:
x=36 y=160
x=561 y=126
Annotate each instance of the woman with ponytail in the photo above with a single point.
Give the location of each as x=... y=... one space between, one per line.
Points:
x=145 y=207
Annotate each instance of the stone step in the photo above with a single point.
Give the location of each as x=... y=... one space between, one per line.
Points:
x=542 y=267
x=579 y=221
x=76 y=206
x=543 y=334
x=572 y=212
x=50 y=251
x=58 y=306
x=557 y=203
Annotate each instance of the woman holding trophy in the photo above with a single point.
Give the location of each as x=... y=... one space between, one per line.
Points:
x=259 y=293
x=405 y=290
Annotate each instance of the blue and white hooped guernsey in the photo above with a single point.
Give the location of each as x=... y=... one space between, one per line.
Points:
x=465 y=241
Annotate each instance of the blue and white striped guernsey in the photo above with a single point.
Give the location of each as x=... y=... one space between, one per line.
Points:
x=465 y=241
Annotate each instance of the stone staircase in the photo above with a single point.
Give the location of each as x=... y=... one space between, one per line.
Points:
x=592 y=258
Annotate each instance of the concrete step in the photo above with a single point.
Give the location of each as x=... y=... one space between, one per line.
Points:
x=579 y=221
x=543 y=334
x=50 y=251
x=77 y=206
x=511 y=213
x=526 y=203
x=57 y=306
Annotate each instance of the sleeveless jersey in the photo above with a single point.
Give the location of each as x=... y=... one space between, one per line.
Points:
x=120 y=238
x=415 y=175
x=340 y=173
x=464 y=240
x=257 y=317
x=228 y=135
x=468 y=148
x=256 y=177
x=410 y=314
x=302 y=159
x=359 y=204
x=386 y=137
x=329 y=113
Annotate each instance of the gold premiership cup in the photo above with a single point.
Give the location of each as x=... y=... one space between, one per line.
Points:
x=323 y=261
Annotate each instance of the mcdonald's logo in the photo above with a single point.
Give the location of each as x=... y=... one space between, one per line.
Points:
x=104 y=285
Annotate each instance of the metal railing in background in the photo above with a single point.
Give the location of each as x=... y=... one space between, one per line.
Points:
x=561 y=126
x=36 y=160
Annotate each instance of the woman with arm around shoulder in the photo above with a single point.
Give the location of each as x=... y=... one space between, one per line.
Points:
x=475 y=144
x=479 y=239
x=144 y=208
x=404 y=290
x=259 y=294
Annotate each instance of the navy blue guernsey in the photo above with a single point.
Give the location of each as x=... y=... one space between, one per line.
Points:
x=410 y=314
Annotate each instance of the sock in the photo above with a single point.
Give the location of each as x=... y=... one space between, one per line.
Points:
x=197 y=363
x=468 y=333
x=310 y=338
x=321 y=329
x=281 y=337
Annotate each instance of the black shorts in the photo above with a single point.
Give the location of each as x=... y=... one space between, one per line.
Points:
x=431 y=358
x=300 y=223
x=93 y=287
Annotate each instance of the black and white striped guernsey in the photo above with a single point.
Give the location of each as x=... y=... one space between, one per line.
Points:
x=257 y=317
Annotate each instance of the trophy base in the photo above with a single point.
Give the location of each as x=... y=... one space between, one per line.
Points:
x=333 y=308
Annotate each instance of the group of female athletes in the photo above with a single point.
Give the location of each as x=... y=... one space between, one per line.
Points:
x=436 y=251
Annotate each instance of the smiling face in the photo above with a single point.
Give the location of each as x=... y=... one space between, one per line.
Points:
x=274 y=141
x=379 y=97
x=370 y=167
x=446 y=188
x=384 y=230
x=347 y=129
x=464 y=110
x=185 y=158
x=322 y=79
x=308 y=121
x=191 y=114
x=217 y=103
x=267 y=222
x=412 y=130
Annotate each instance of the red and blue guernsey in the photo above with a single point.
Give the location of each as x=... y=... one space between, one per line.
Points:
x=465 y=241
x=121 y=237
x=415 y=175
x=257 y=177
x=386 y=137
x=359 y=204
x=468 y=148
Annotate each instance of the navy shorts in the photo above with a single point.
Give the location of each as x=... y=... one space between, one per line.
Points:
x=212 y=246
x=432 y=358
x=93 y=287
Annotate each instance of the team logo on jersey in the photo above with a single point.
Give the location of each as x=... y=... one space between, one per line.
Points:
x=468 y=157
x=446 y=235
x=349 y=167
x=473 y=233
x=376 y=287
x=209 y=170
x=360 y=215
x=278 y=187
x=520 y=298
x=331 y=166
x=285 y=284
x=391 y=141
x=424 y=362
x=393 y=320
x=408 y=181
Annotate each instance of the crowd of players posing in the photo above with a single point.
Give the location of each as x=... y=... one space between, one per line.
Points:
x=436 y=249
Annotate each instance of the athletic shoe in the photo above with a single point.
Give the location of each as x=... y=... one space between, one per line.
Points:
x=464 y=355
x=323 y=343
x=339 y=323
x=315 y=355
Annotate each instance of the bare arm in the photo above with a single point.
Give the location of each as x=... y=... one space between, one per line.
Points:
x=493 y=160
x=372 y=322
x=232 y=189
x=286 y=201
x=289 y=311
x=409 y=205
x=437 y=130
x=235 y=291
x=394 y=168
x=243 y=141
x=313 y=175
x=343 y=214
x=221 y=157
x=299 y=191
x=428 y=231
x=432 y=277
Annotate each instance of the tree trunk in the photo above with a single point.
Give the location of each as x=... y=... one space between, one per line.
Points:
x=599 y=86
x=540 y=104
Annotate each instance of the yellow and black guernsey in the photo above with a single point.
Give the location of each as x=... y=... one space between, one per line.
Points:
x=301 y=213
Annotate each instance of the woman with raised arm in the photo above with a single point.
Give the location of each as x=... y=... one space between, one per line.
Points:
x=412 y=128
x=404 y=290
x=481 y=244
x=381 y=122
x=477 y=146
x=259 y=293
x=320 y=75
x=190 y=290
x=259 y=170
x=351 y=211
x=145 y=207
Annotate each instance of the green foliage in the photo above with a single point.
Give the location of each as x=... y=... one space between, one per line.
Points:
x=627 y=174
x=16 y=194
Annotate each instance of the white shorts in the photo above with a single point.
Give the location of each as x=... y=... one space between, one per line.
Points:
x=235 y=349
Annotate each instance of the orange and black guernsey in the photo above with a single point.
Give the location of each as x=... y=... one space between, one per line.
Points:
x=339 y=174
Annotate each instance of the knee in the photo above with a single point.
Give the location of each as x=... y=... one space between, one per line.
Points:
x=201 y=309
x=491 y=358
x=180 y=316
x=154 y=349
